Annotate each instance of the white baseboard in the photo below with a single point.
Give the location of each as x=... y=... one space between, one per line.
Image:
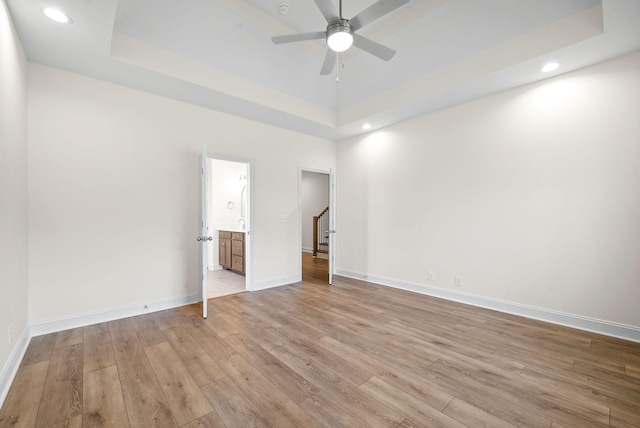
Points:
x=607 y=328
x=50 y=326
x=307 y=250
x=276 y=282
x=59 y=324
x=10 y=369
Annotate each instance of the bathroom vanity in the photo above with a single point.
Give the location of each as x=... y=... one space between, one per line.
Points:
x=231 y=250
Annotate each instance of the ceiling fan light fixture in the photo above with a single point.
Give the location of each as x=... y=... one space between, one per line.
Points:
x=340 y=33
x=340 y=36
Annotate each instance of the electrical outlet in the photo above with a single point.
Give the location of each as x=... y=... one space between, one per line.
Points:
x=10 y=333
x=458 y=281
x=431 y=276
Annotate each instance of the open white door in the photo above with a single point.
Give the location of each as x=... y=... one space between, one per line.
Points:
x=204 y=236
x=332 y=224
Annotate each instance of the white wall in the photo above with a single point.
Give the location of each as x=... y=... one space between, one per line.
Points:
x=113 y=193
x=13 y=193
x=531 y=195
x=13 y=201
x=314 y=192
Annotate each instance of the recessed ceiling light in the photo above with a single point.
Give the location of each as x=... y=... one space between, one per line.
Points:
x=550 y=66
x=366 y=126
x=57 y=15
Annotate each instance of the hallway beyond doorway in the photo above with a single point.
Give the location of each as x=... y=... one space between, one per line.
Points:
x=314 y=269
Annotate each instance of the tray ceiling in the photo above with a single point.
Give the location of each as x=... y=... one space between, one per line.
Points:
x=218 y=53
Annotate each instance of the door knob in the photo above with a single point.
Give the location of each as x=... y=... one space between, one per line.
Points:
x=204 y=238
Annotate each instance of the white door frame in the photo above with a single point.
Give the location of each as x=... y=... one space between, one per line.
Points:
x=249 y=214
x=332 y=219
x=203 y=235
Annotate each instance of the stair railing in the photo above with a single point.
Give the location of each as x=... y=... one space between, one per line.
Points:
x=321 y=232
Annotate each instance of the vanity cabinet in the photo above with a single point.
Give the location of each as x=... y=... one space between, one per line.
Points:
x=231 y=251
x=237 y=252
x=224 y=249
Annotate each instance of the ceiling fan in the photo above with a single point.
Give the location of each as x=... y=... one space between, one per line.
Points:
x=341 y=33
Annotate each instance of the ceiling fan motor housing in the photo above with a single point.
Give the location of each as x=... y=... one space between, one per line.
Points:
x=340 y=35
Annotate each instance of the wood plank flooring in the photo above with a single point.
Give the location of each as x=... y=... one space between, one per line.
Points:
x=308 y=354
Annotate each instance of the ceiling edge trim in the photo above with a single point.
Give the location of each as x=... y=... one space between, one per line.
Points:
x=157 y=60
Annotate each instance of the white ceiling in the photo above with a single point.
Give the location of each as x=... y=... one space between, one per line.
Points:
x=218 y=53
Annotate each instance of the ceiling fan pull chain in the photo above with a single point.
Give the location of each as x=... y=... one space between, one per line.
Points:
x=337 y=67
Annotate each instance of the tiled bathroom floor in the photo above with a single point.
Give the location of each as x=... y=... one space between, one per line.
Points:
x=224 y=282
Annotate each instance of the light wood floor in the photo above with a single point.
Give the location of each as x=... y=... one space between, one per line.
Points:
x=304 y=355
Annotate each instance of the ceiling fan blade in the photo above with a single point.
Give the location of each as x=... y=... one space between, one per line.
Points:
x=329 y=63
x=374 y=48
x=375 y=11
x=289 y=38
x=328 y=10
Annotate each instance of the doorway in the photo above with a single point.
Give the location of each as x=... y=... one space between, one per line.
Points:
x=316 y=225
x=227 y=222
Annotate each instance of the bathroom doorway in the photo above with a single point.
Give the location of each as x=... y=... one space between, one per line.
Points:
x=228 y=215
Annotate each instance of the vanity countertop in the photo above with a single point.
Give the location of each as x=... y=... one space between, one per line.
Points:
x=233 y=229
